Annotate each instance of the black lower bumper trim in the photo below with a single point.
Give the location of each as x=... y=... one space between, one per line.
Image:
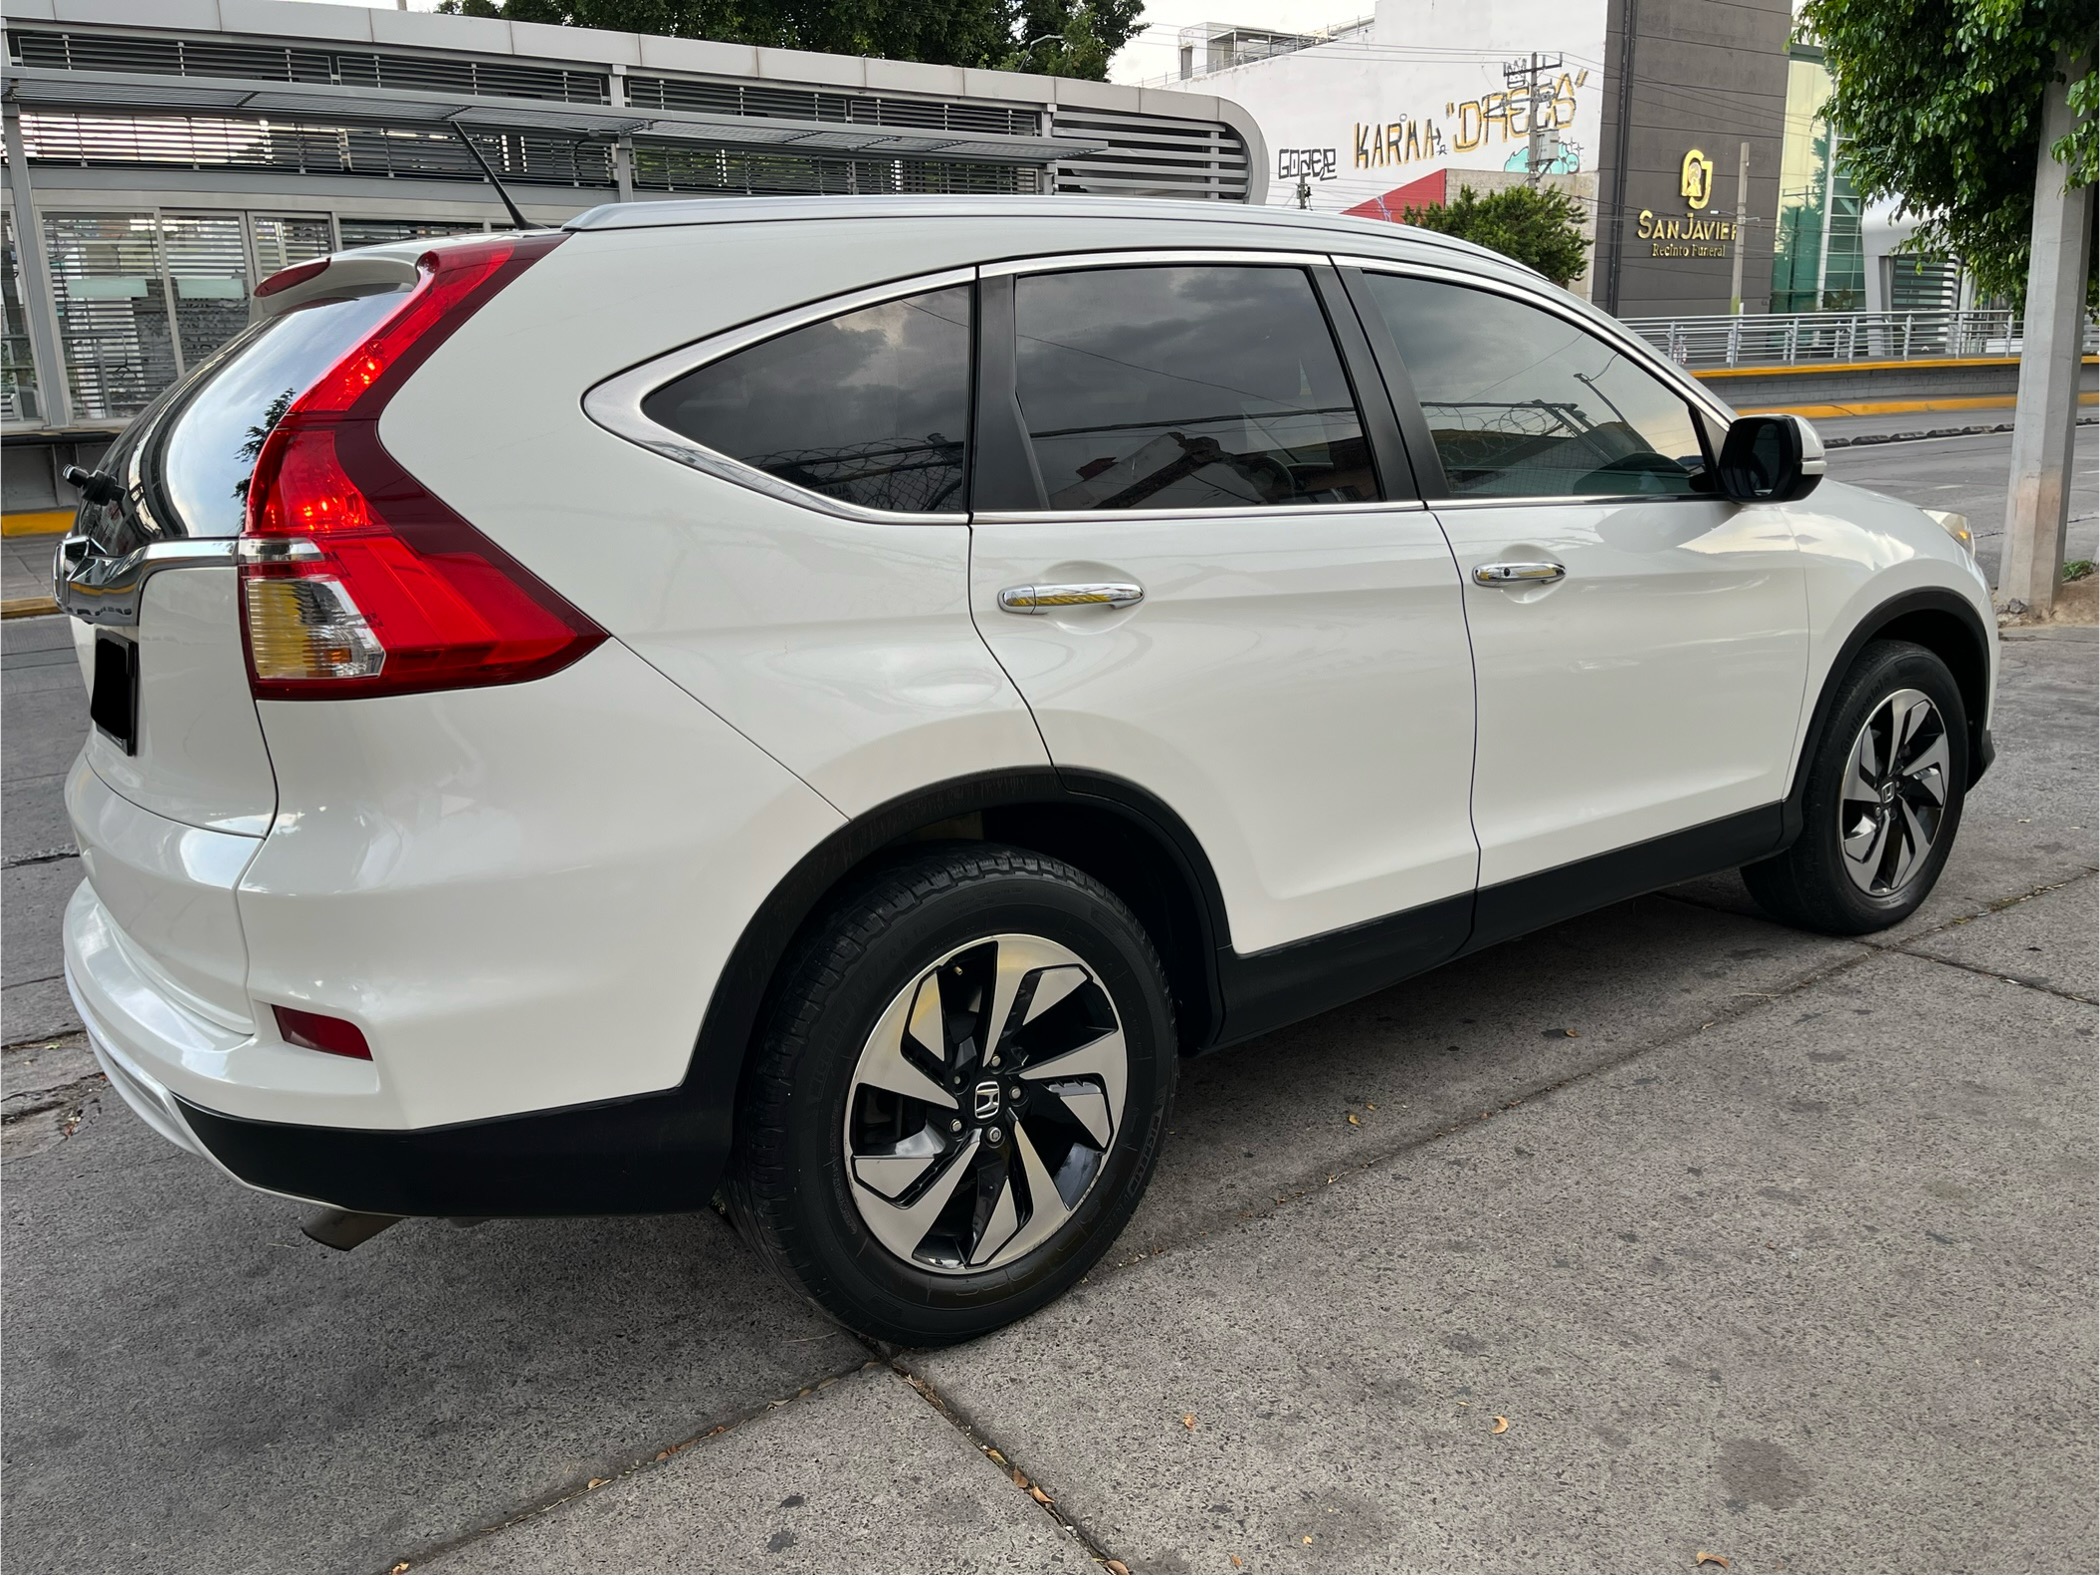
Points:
x=653 y=1154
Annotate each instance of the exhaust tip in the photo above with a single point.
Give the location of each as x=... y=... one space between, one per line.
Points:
x=344 y=1229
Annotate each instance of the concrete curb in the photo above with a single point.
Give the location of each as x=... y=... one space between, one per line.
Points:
x=1861 y=439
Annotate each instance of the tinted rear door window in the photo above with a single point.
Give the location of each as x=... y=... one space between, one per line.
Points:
x=1207 y=386
x=871 y=407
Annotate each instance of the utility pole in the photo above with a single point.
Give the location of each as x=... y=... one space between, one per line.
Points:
x=1742 y=222
x=2038 y=497
x=1536 y=156
x=1304 y=192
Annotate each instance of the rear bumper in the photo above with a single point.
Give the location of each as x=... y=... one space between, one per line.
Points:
x=653 y=1154
x=648 y=1154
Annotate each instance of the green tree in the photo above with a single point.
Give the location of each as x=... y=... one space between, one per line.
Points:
x=1941 y=103
x=1539 y=227
x=1072 y=38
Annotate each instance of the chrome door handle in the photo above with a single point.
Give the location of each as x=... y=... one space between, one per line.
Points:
x=1540 y=574
x=1041 y=599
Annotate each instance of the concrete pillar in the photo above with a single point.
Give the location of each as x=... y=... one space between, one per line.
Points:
x=2038 y=498
x=39 y=304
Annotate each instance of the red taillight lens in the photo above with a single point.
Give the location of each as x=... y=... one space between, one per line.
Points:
x=319 y=1032
x=390 y=591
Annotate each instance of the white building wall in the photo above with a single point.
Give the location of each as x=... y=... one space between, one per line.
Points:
x=1422 y=90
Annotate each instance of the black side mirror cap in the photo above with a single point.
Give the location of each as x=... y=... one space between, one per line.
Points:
x=1770 y=459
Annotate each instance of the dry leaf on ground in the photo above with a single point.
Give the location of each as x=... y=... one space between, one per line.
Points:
x=1116 y=1566
x=1704 y=1558
x=1039 y=1496
x=1188 y=1421
x=1353 y=1122
x=1501 y=1426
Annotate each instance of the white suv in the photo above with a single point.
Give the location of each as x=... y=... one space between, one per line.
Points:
x=828 y=700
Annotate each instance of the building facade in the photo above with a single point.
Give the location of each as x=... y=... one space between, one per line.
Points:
x=162 y=156
x=1643 y=109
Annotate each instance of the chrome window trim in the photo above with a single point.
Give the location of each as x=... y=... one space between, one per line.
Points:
x=1535 y=500
x=616 y=403
x=1266 y=511
x=1613 y=334
x=1155 y=256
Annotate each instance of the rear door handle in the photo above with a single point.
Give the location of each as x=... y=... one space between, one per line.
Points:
x=1042 y=599
x=1537 y=574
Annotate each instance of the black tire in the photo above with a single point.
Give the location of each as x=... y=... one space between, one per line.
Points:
x=1809 y=886
x=790 y=1191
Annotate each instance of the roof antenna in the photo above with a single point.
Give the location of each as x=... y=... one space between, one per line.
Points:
x=487 y=169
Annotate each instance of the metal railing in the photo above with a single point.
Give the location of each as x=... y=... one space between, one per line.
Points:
x=1787 y=339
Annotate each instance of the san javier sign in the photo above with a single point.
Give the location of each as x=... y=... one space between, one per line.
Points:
x=1694 y=234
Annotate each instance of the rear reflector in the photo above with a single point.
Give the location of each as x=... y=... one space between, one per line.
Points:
x=318 y=1032
x=403 y=595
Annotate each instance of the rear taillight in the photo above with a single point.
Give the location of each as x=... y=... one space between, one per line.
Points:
x=359 y=580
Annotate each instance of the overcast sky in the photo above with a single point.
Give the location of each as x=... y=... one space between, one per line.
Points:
x=1152 y=54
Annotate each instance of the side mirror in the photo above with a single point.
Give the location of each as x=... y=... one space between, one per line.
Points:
x=1770 y=459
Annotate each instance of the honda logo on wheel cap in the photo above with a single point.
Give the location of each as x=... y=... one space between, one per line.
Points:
x=987 y=1098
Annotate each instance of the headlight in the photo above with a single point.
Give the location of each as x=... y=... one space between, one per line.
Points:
x=1956 y=526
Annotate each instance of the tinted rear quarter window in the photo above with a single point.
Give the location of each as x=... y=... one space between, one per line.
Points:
x=1185 y=387
x=871 y=407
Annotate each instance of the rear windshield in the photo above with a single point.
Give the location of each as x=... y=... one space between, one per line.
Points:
x=195 y=446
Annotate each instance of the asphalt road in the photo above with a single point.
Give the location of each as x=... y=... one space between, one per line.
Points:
x=1764 y=1245
x=1968 y=475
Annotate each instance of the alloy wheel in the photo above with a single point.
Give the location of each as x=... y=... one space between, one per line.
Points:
x=984 y=1104
x=1894 y=795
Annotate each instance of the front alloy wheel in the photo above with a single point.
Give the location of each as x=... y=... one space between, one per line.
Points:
x=1881 y=797
x=1895 y=793
x=984 y=1104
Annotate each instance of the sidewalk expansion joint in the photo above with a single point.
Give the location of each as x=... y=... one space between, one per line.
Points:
x=634 y=1466
x=1039 y=1496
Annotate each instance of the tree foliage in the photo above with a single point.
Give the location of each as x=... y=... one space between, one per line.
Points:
x=1539 y=227
x=1941 y=103
x=1067 y=38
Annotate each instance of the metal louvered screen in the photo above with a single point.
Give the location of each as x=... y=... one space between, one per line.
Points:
x=210 y=142
x=187 y=57
x=113 y=326
x=18 y=392
x=1149 y=156
x=767 y=102
x=207 y=259
x=738 y=172
x=378 y=232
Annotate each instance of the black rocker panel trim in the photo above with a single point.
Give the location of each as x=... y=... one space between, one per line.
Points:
x=1515 y=908
x=1266 y=990
x=1932 y=599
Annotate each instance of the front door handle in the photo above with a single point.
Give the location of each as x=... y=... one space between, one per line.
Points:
x=1537 y=574
x=1043 y=599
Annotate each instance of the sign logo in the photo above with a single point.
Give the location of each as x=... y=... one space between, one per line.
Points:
x=1695 y=182
x=986 y=1096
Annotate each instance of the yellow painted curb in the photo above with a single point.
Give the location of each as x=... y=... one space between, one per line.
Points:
x=27 y=606
x=1898 y=407
x=40 y=522
x=1827 y=368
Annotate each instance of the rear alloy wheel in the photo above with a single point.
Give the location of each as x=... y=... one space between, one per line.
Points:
x=984 y=1104
x=960 y=1096
x=1881 y=800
